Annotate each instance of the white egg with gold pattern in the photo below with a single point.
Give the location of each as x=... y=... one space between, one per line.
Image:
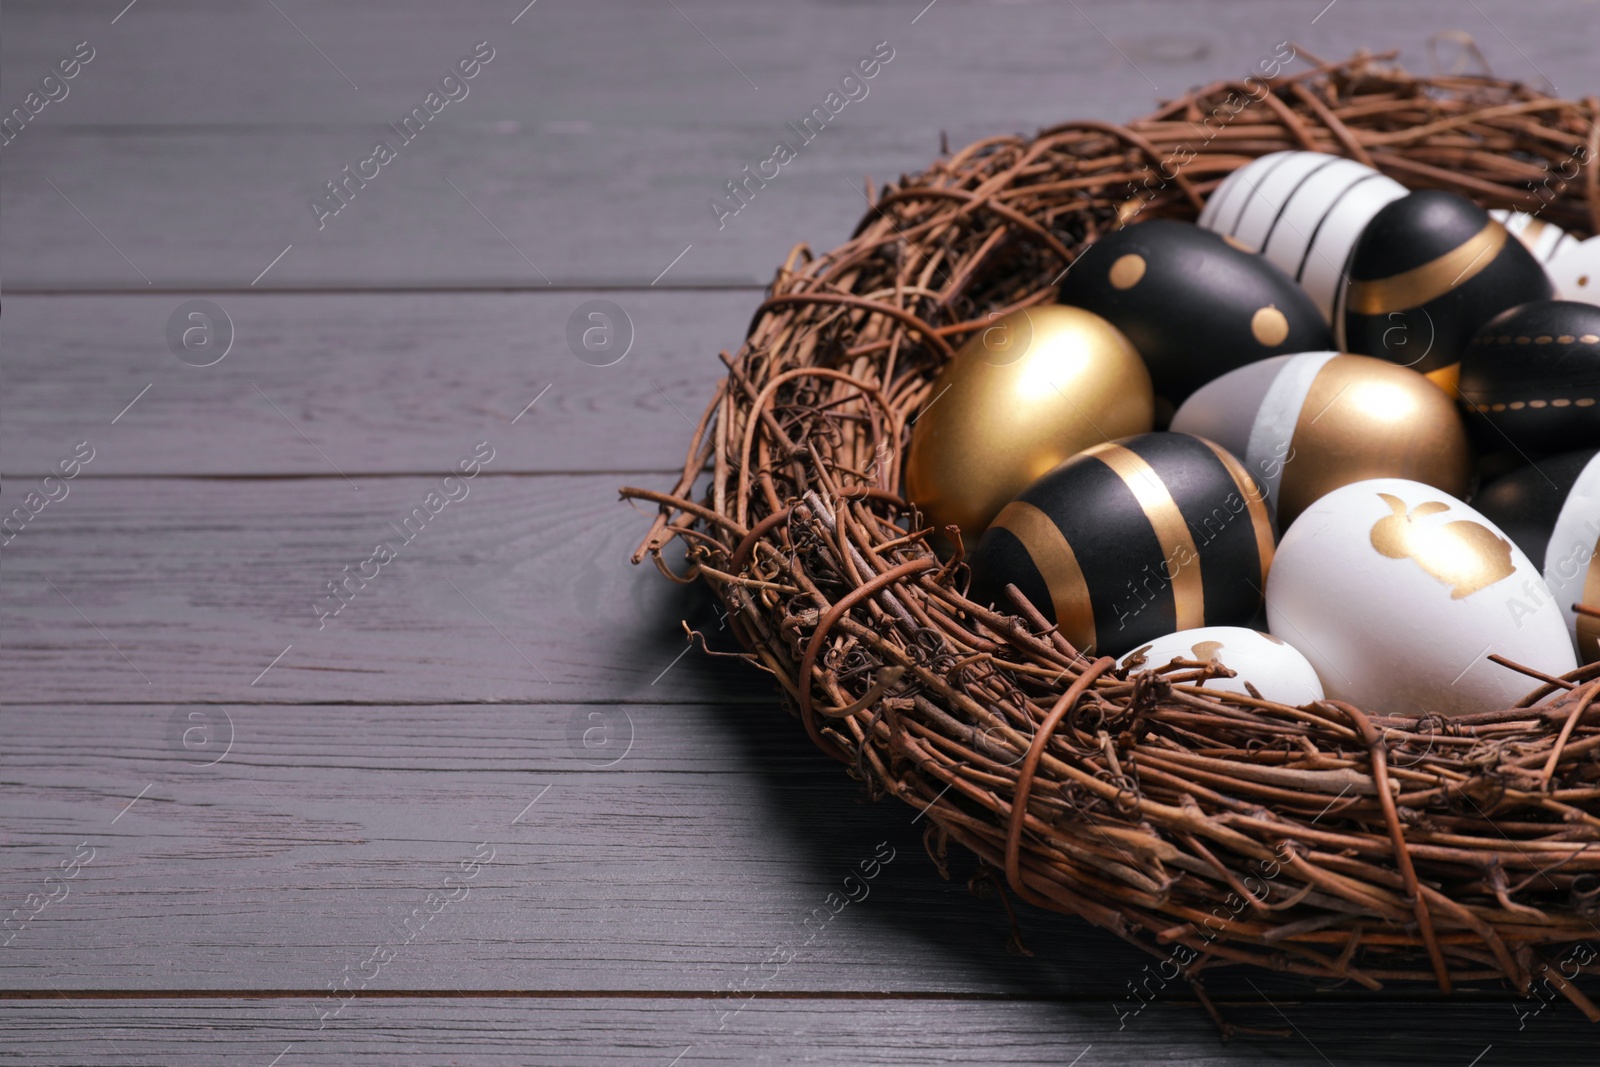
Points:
x=1277 y=669
x=1398 y=594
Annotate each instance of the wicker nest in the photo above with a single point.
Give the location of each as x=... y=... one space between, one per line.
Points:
x=1208 y=828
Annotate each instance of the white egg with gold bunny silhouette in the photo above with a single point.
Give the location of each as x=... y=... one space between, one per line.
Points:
x=1398 y=593
x=1277 y=670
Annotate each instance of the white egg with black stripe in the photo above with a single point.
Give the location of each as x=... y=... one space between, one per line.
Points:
x=1303 y=212
x=1544 y=239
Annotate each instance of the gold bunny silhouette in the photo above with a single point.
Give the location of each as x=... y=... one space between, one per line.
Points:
x=1466 y=555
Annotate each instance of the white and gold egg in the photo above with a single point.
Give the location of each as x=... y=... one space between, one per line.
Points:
x=1275 y=668
x=1308 y=423
x=1398 y=593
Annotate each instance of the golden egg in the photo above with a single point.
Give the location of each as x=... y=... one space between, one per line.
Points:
x=1022 y=396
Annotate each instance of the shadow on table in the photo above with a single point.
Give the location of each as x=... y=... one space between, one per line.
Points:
x=955 y=939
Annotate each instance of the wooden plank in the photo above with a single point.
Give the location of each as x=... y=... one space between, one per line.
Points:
x=616 y=206
x=136 y=590
x=852 y=1033
x=663 y=847
x=193 y=143
x=577 y=847
x=381 y=383
x=638 y=59
x=596 y=138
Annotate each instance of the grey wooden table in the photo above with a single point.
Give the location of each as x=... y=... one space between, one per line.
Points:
x=492 y=809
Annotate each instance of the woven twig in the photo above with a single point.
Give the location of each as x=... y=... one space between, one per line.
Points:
x=1321 y=840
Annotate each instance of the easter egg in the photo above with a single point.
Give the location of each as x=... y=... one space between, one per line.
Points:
x=1193 y=305
x=1022 y=395
x=1551 y=510
x=1532 y=375
x=1277 y=670
x=1544 y=239
x=1575 y=271
x=1306 y=424
x=1130 y=540
x=1429 y=269
x=1397 y=593
x=1303 y=211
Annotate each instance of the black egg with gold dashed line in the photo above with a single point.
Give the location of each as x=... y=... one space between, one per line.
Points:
x=1195 y=306
x=1426 y=273
x=1551 y=510
x=1532 y=376
x=1526 y=503
x=1133 y=539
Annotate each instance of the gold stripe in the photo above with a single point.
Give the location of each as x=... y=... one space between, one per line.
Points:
x=1057 y=564
x=1417 y=286
x=1447 y=378
x=1177 y=545
x=1254 y=501
x=1588 y=625
x=1531 y=231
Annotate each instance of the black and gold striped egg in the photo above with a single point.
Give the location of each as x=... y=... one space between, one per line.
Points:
x=1130 y=540
x=1427 y=272
x=1551 y=510
x=1531 y=376
x=1194 y=305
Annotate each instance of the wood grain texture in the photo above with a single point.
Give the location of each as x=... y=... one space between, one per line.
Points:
x=186 y=590
x=374 y=756
x=595 y=138
x=665 y=847
x=624 y=848
x=853 y=1033
x=381 y=383
x=642 y=60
